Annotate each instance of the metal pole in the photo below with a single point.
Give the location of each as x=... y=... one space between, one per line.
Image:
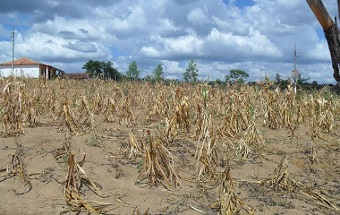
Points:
x=295 y=72
x=295 y=56
x=12 y=35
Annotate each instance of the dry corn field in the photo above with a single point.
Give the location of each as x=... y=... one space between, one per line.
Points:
x=102 y=147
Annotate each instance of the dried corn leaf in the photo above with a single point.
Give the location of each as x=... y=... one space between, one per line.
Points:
x=14 y=167
x=158 y=167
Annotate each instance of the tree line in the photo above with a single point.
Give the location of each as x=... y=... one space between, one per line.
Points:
x=105 y=70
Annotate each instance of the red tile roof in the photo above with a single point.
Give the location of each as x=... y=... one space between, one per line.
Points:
x=21 y=61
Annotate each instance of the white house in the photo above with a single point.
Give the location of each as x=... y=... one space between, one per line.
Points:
x=25 y=67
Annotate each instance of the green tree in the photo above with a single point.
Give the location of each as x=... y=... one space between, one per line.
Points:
x=93 y=68
x=191 y=72
x=236 y=76
x=158 y=73
x=315 y=84
x=279 y=81
x=302 y=80
x=102 y=69
x=218 y=81
x=110 y=72
x=149 y=78
x=267 y=78
x=133 y=72
x=278 y=78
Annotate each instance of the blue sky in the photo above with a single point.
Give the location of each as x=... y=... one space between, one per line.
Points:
x=256 y=36
x=242 y=3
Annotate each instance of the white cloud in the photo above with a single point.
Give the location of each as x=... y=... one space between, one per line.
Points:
x=150 y=52
x=197 y=17
x=320 y=52
x=43 y=47
x=251 y=45
x=4 y=32
x=189 y=44
x=134 y=21
x=73 y=29
x=258 y=38
x=173 y=69
x=80 y=47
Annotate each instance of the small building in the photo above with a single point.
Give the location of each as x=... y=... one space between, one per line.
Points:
x=77 y=76
x=25 y=67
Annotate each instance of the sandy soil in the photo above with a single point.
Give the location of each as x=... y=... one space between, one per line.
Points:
x=106 y=148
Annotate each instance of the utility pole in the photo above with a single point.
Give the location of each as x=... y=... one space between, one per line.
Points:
x=295 y=56
x=295 y=71
x=12 y=36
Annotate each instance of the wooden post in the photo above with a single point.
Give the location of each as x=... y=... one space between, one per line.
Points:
x=331 y=33
x=338 y=10
x=321 y=13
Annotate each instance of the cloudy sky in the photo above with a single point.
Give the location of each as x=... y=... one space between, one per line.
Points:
x=256 y=36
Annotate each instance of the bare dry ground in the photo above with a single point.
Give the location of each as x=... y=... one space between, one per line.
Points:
x=93 y=146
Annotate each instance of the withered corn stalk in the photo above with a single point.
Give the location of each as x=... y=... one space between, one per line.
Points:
x=229 y=202
x=31 y=111
x=170 y=130
x=281 y=180
x=322 y=119
x=98 y=102
x=198 y=122
x=50 y=102
x=110 y=110
x=124 y=112
x=136 y=150
x=313 y=155
x=236 y=116
x=157 y=109
x=242 y=150
x=272 y=106
x=206 y=153
x=181 y=116
x=158 y=165
x=13 y=109
x=293 y=111
x=110 y=105
x=84 y=116
x=67 y=118
x=75 y=178
x=251 y=137
x=14 y=167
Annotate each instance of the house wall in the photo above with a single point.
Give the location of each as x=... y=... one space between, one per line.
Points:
x=47 y=71
x=20 y=71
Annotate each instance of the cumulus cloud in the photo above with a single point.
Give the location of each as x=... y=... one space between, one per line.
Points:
x=150 y=52
x=197 y=16
x=319 y=53
x=173 y=68
x=81 y=47
x=47 y=48
x=257 y=36
x=252 y=45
